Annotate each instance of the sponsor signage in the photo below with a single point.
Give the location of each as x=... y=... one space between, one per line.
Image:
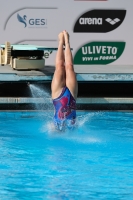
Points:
x=99 y=21
x=31 y=22
x=99 y=53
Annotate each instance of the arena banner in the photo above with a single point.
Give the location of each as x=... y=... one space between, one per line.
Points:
x=99 y=21
x=100 y=30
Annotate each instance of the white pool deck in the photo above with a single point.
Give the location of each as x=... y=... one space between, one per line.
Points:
x=84 y=73
x=86 y=100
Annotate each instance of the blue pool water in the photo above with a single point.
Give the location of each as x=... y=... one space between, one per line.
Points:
x=94 y=161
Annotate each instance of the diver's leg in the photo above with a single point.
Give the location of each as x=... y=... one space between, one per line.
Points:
x=71 y=81
x=59 y=78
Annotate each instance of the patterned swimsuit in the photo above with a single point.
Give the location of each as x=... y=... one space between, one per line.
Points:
x=65 y=109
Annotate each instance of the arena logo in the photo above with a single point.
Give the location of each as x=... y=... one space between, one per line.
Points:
x=99 y=53
x=90 y=21
x=99 y=21
x=32 y=22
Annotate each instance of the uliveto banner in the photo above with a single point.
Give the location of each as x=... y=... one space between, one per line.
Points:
x=98 y=53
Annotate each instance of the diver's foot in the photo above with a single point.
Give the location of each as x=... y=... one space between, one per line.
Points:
x=66 y=37
x=61 y=38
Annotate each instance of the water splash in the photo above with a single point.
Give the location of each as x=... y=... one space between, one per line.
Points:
x=41 y=92
x=86 y=118
x=81 y=121
x=38 y=91
x=80 y=134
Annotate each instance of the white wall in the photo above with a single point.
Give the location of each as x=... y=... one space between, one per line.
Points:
x=60 y=15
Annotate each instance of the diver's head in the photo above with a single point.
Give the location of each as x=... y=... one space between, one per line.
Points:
x=60 y=125
x=63 y=124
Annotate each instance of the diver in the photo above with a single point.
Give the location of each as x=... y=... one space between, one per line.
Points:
x=64 y=85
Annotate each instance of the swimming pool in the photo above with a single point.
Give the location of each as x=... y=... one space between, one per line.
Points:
x=94 y=161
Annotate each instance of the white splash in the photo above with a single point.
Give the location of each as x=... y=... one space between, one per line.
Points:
x=38 y=91
x=41 y=92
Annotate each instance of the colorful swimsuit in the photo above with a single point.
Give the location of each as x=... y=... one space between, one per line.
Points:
x=65 y=109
